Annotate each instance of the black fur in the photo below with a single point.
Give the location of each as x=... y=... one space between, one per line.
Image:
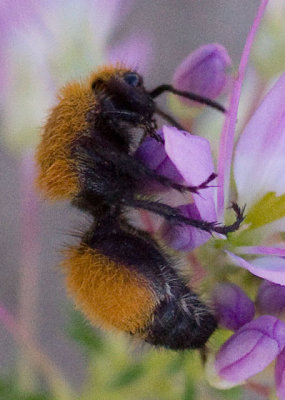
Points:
x=180 y=321
x=111 y=180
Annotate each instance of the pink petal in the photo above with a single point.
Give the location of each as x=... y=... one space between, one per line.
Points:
x=264 y=250
x=192 y=157
x=263 y=144
x=136 y=52
x=227 y=137
x=269 y=268
x=17 y=14
x=183 y=237
x=204 y=71
x=108 y=13
x=233 y=307
x=251 y=349
x=280 y=375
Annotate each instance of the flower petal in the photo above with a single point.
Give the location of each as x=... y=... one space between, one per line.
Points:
x=263 y=143
x=233 y=307
x=192 y=157
x=271 y=298
x=135 y=52
x=153 y=154
x=269 y=268
x=227 y=136
x=183 y=237
x=251 y=349
x=264 y=250
x=280 y=375
x=204 y=71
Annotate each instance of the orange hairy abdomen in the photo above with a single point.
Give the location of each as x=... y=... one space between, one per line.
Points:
x=57 y=178
x=110 y=294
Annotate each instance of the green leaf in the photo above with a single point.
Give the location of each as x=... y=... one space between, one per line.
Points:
x=270 y=208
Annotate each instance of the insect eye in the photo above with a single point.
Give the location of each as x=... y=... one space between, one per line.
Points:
x=132 y=79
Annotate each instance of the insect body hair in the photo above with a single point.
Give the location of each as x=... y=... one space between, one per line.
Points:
x=119 y=276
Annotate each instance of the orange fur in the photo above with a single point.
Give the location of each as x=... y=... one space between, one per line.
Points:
x=109 y=293
x=57 y=178
x=107 y=71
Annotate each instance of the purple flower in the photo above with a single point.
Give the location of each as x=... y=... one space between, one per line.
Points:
x=204 y=72
x=154 y=155
x=271 y=298
x=280 y=375
x=183 y=237
x=251 y=349
x=233 y=307
x=136 y=52
x=261 y=143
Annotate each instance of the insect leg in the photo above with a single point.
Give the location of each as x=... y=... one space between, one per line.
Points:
x=188 y=95
x=134 y=168
x=172 y=215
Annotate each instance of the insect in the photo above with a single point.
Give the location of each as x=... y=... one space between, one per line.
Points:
x=120 y=276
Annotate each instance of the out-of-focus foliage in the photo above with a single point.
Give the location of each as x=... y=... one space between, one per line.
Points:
x=122 y=369
x=9 y=391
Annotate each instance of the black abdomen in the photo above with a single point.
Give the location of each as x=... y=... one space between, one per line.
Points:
x=180 y=320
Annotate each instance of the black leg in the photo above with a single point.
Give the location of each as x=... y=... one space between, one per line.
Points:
x=188 y=95
x=126 y=165
x=174 y=216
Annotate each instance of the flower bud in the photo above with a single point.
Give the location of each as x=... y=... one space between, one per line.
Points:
x=232 y=305
x=251 y=349
x=204 y=72
x=280 y=375
x=271 y=298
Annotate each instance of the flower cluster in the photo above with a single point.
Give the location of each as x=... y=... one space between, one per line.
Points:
x=251 y=307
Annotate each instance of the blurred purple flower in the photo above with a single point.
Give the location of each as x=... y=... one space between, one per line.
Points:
x=271 y=298
x=251 y=349
x=15 y=14
x=280 y=375
x=110 y=10
x=204 y=72
x=233 y=307
x=135 y=52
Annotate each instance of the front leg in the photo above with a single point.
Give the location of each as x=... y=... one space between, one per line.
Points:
x=126 y=165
